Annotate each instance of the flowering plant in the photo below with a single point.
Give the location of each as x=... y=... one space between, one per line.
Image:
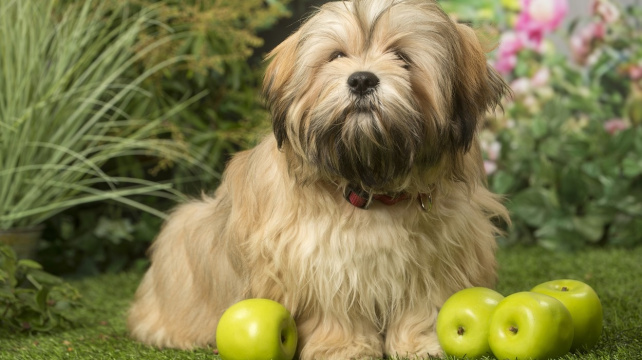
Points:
x=566 y=148
x=534 y=21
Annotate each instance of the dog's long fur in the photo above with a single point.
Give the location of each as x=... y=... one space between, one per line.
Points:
x=359 y=283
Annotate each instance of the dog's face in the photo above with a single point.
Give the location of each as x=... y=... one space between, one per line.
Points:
x=371 y=91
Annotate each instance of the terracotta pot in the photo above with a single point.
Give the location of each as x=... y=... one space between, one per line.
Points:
x=24 y=241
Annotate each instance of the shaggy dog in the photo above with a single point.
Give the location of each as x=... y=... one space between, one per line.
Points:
x=363 y=211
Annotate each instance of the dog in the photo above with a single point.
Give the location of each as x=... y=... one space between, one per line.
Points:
x=363 y=210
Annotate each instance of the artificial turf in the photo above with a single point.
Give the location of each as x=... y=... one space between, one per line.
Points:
x=615 y=274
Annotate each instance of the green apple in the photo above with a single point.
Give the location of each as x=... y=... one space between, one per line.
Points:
x=528 y=325
x=462 y=323
x=583 y=304
x=256 y=329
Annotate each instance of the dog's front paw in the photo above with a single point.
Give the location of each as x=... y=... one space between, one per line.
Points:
x=429 y=352
x=413 y=339
x=422 y=348
x=330 y=340
x=341 y=354
x=360 y=348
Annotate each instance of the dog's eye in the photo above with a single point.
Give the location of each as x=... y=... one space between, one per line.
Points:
x=403 y=57
x=336 y=55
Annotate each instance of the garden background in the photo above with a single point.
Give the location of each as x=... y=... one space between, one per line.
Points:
x=112 y=111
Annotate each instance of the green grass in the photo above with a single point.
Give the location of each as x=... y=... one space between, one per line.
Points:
x=616 y=275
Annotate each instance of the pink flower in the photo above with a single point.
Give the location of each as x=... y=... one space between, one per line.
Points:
x=536 y=19
x=580 y=49
x=540 y=16
x=635 y=72
x=597 y=30
x=606 y=10
x=541 y=77
x=505 y=64
x=614 y=125
x=490 y=167
x=509 y=45
x=494 y=149
x=521 y=86
x=547 y=13
x=511 y=42
x=582 y=41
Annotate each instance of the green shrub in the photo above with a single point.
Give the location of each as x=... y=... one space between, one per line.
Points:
x=566 y=151
x=570 y=188
x=217 y=40
x=94 y=240
x=33 y=300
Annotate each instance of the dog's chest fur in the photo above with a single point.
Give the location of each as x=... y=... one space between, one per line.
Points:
x=371 y=261
x=317 y=247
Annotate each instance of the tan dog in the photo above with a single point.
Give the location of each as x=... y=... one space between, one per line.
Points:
x=376 y=102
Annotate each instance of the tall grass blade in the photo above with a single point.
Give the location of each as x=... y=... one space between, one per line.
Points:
x=66 y=86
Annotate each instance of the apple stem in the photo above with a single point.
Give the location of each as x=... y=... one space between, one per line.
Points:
x=460 y=330
x=513 y=329
x=564 y=288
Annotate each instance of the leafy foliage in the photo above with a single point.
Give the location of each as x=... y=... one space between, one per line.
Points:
x=570 y=140
x=31 y=299
x=93 y=240
x=216 y=40
x=571 y=188
x=478 y=11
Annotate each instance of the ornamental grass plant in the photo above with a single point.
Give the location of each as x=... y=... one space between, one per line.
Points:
x=219 y=63
x=69 y=104
x=67 y=107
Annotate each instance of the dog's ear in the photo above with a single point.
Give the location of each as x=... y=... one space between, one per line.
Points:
x=478 y=88
x=275 y=90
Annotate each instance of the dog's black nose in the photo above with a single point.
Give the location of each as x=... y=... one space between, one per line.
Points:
x=362 y=82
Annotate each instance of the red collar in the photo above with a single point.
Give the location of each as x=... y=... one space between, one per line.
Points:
x=363 y=200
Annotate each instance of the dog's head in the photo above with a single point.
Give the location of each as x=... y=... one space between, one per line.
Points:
x=368 y=91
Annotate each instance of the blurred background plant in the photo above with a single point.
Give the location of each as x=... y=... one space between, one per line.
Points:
x=63 y=112
x=70 y=107
x=64 y=117
x=566 y=149
x=215 y=41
